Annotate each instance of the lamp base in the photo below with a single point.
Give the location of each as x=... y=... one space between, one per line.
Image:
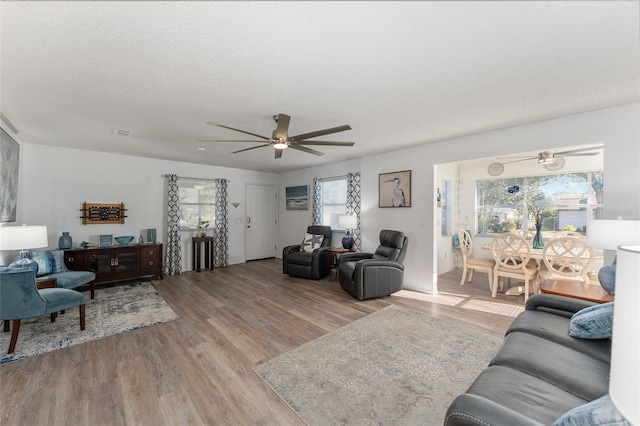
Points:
x=607 y=277
x=25 y=262
x=347 y=241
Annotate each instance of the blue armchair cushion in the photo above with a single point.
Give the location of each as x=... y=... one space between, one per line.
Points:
x=59 y=299
x=594 y=322
x=601 y=411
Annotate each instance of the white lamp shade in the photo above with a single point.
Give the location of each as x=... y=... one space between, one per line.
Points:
x=23 y=237
x=624 y=386
x=348 y=222
x=609 y=234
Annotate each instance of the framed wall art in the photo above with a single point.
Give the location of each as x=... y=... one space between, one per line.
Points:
x=9 y=161
x=297 y=197
x=394 y=189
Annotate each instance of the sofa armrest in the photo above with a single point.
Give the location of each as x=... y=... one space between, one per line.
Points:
x=372 y=263
x=559 y=305
x=289 y=249
x=469 y=409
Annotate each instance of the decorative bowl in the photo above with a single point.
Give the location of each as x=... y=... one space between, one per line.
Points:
x=124 y=240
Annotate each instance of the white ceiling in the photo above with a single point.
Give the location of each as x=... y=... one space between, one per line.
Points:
x=400 y=73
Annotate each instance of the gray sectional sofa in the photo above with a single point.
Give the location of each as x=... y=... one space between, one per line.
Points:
x=539 y=373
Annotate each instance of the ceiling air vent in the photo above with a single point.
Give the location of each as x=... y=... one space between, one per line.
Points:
x=120 y=132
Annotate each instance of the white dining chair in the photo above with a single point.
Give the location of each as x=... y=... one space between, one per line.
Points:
x=512 y=254
x=471 y=263
x=566 y=258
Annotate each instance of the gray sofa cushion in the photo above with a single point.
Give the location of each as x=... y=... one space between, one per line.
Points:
x=556 y=328
x=559 y=365
x=525 y=394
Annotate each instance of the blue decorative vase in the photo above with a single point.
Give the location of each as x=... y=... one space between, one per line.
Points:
x=607 y=276
x=538 y=241
x=65 y=241
x=347 y=241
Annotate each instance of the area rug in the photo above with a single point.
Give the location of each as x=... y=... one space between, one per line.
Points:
x=114 y=310
x=393 y=367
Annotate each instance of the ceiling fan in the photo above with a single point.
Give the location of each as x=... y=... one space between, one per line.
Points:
x=550 y=159
x=280 y=139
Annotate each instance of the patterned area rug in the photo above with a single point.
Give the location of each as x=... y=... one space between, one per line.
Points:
x=393 y=367
x=114 y=310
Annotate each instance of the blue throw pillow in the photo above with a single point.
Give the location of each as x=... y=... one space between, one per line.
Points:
x=601 y=411
x=58 y=261
x=594 y=322
x=44 y=260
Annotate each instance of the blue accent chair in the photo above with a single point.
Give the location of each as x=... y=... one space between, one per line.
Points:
x=21 y=299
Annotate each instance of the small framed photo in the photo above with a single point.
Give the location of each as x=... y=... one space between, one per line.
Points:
x=106 y=241
x=297 y=197
x=394 y=189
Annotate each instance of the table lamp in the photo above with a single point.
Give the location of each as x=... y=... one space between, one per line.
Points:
x=348 y=222
x=23 y=238
x=624 y=387
x=608 y=235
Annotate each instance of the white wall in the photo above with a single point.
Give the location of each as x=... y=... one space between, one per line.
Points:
x=617 y=127
x=55 y=181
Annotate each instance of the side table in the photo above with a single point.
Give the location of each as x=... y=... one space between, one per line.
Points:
x=333 y=253
x=577 y=290
x=196 y=252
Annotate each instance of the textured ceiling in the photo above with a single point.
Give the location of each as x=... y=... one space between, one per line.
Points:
x=400 y=73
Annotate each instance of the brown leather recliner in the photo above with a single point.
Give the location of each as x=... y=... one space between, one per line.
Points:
x=370 y=275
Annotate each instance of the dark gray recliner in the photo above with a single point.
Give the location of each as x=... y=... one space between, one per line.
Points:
x=314 y=265
x=370 y=275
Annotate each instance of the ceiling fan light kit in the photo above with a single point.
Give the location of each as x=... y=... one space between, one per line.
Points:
x=546 y=157
x=280 y=139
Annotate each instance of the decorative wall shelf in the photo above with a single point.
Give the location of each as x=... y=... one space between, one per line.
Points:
x=98 y=213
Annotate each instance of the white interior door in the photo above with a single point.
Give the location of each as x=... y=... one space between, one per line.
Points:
x=260 y=222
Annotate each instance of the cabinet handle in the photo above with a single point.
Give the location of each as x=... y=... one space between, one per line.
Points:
x=112 y=263
x=70 y=259
x=116 y=261
x=151 y=263
x=150 y=251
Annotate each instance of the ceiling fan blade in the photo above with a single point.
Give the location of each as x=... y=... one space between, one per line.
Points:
x=583 y=154
x=573 y=151
x=278 y=153
x=253 y=147
x=317 y=133
x=237 y=130
x=281 y=132
x=218 y=140
x=305 y=149
x=522 y=159
x=327 y=143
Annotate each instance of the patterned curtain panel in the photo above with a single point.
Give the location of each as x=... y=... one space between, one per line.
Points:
x=173 y=252
x=353 y=202
x=221 y=236
x=316 y=210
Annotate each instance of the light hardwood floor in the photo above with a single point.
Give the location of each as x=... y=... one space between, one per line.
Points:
x=198 y=368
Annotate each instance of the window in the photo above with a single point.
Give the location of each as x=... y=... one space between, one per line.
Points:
x=197 y=203
x=443 y=198
x=333 y=200
x=563 y=202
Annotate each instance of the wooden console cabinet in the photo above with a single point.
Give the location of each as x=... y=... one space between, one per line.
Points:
x=112 y=264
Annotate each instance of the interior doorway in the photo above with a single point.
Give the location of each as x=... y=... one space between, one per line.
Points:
x=260 y=222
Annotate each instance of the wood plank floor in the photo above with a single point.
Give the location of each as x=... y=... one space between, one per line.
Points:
x=197 y=370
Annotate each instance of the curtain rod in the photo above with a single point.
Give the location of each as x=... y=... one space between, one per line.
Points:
x=194 y=178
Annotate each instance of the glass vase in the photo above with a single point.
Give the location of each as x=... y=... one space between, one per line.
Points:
x=65 y=241
x=538 y=241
